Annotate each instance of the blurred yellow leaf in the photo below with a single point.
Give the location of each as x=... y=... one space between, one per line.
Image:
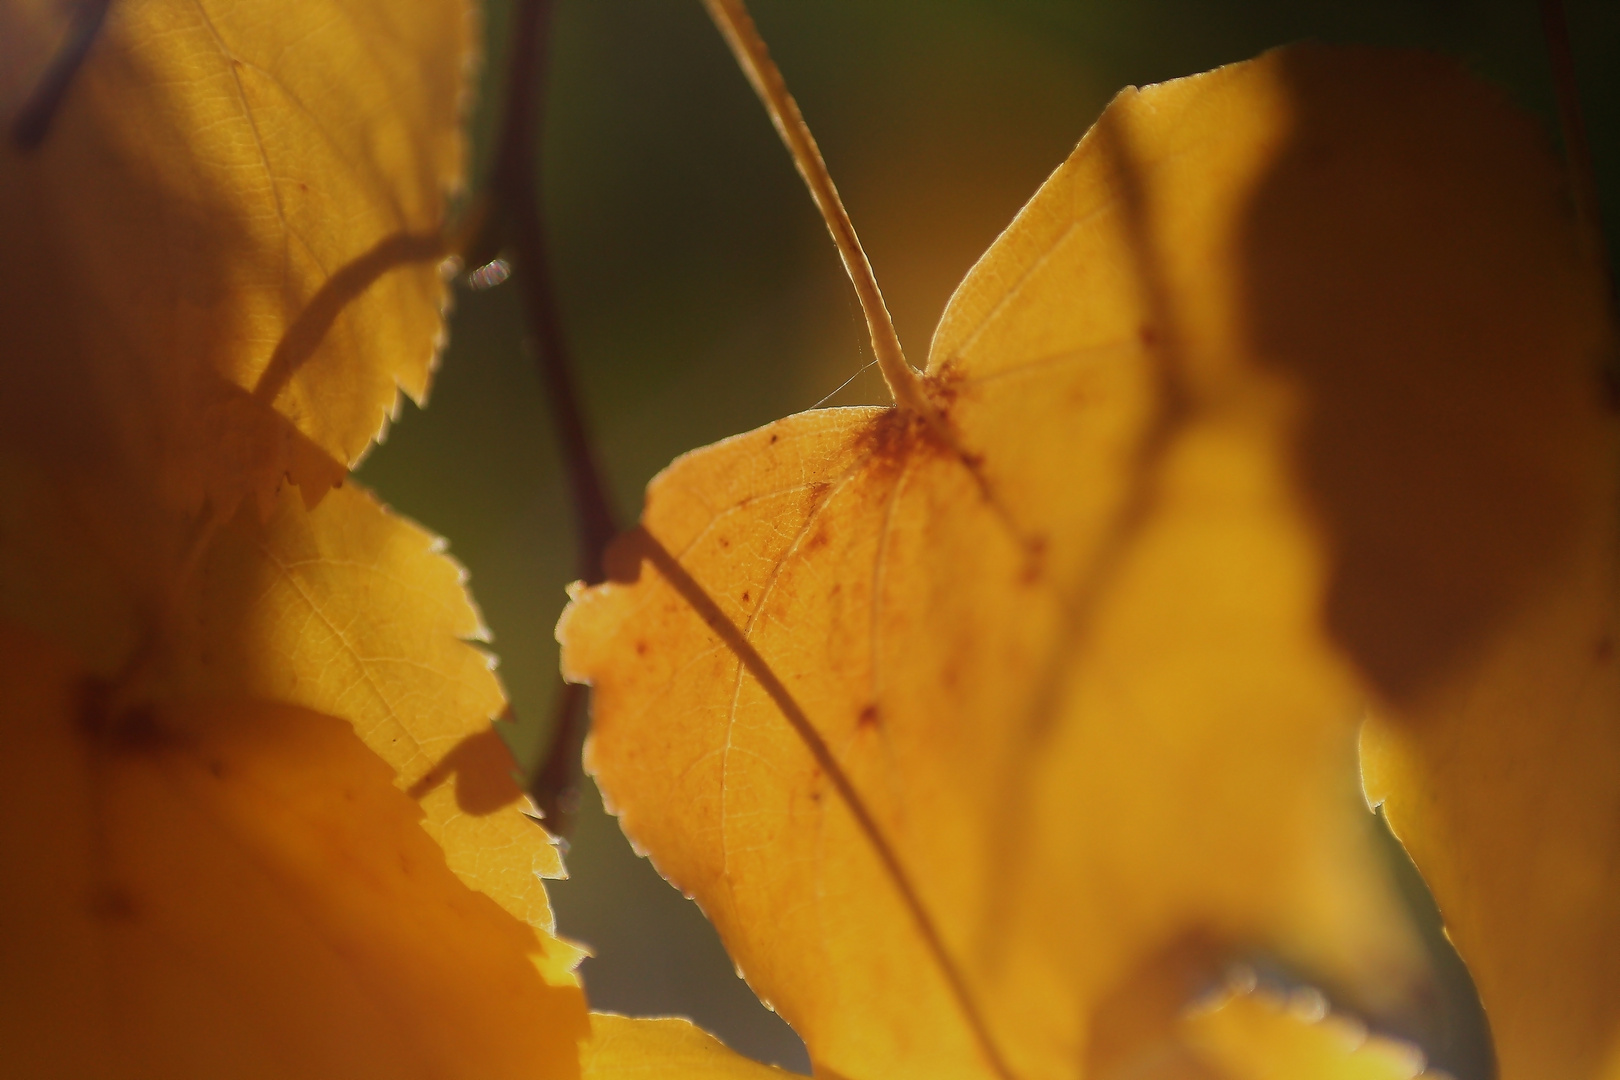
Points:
x=234 y=888
x=220 y=267
x=1503 y=781
x=1255 y=1037
x=621 y=1048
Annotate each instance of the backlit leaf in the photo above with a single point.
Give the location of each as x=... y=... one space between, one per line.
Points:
x=250 y=199
x=220 y=269
x=350 y=610
x=621 y=1048
x=1251 y=1037
x=234 y=888
x=1504 y=784
x=963 y=752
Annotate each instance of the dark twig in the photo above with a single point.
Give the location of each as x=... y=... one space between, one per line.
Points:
x=33 y=121
x=516 y=184
x=555 y=786
x=1577 y=151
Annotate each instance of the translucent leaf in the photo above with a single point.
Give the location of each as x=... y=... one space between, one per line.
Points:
x=1256 y=1037
x=250 y=201
x=350 y=610
x=221 y=267
x=234 y=888
x=621 y=1048
x=965 y=744
x=1504 y=784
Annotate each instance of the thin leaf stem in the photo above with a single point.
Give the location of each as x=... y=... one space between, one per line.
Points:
x=737 y=27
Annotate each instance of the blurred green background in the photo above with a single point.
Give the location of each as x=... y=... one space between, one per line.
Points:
x=702 y=297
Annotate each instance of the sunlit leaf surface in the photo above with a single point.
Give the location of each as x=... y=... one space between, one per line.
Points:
x=234 y=888
x=622 y=1048
x=250 y=201
x=352 y=611
x=250 y=703
x=979 y=759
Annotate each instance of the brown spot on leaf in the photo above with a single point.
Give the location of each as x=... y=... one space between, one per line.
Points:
x=136 y=731
x=868 y=718
x=1034 y=567
x=944 y=386
x=111 y=903
x=888 y=438
x=641 y=647
x=893 y=437
x=130 y=730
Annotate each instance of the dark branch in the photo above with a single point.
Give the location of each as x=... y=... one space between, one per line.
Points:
x=516 y=188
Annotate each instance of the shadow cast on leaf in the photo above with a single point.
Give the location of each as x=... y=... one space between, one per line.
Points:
x=484 y=770
x=1423 y=446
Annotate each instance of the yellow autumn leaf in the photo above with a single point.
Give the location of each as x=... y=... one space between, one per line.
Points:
x=220 y=265
x=1241 y=1036
x=622 y=1048
x=251 y=200
x=233 y=888
x=968 y=736
x=1256 y=1036
x=1501 y=775
x=350 y=610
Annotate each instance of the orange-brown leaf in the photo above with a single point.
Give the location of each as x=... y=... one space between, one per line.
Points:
x=232 y=888
x=1503 y=782
x=622 y=1048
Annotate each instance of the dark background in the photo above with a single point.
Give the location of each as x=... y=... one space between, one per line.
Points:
x=702 y=297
